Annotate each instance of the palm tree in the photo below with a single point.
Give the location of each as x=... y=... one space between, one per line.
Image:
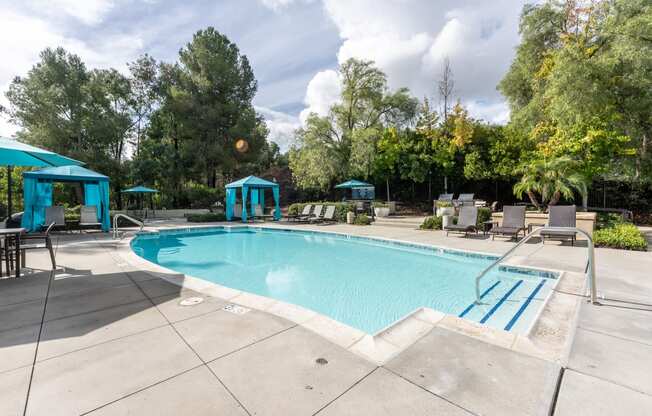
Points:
x=551 y=179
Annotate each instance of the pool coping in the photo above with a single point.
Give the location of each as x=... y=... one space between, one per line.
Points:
x=547 y=337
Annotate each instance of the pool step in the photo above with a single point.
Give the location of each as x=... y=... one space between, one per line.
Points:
x=506 y=303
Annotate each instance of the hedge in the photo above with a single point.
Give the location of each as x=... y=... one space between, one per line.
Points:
x=362 y=219
x=623 y=236
x=208 y=217
x=341 y=208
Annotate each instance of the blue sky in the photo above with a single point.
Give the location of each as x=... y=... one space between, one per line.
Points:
x=294 y=45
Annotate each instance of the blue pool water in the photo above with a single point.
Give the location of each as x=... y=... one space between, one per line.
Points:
x=367 y=284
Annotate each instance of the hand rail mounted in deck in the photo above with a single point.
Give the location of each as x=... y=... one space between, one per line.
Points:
x=127 y=217
x=590 y=267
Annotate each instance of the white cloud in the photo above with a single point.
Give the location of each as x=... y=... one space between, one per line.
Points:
x=89 y=12
x=409 y=40
x=322 y=92
x=281 y=126
x=277 y=5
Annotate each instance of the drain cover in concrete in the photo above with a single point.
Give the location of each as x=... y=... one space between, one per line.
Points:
x=236 y=309
x=191 y=301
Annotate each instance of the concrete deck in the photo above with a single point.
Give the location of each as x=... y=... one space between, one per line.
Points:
x=100 y=336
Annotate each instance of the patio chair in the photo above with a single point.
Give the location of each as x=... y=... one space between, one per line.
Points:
x=88 y=217
x=466 y=222
x=303 y=216
x=316 y=215
x=38 y=241
x=560 y=216
x=329 y=215
x=513 y=222
x=56 y=215
x=259 y=213
x=465 y=200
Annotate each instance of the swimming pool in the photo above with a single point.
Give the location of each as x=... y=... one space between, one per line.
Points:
x=365 y=283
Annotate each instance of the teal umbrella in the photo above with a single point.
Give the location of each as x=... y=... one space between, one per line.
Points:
x=14 y=153
x=140 y=190
x=353 y=183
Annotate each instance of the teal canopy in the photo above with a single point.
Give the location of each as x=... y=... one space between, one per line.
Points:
x=351 y=184
x=15 y=153
x=139 y=190
x=252 y=187
x=37 y=192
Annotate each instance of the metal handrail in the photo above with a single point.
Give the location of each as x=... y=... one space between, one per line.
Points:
x=590 y=267
x=127 y=217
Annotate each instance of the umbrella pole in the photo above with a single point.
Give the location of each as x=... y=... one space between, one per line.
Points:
x=9 y=186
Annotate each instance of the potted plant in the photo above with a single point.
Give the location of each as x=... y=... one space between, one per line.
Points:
x=381 y=209
x=445 y=208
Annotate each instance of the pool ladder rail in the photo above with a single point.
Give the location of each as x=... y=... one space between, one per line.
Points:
x=590 y=266
x=116 y=230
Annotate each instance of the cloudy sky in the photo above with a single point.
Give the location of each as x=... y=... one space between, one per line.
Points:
x=294 y=45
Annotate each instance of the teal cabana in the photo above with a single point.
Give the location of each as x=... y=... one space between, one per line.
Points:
x=252 y=187
x=37 y=193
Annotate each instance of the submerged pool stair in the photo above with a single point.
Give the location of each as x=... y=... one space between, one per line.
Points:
x=506 y=302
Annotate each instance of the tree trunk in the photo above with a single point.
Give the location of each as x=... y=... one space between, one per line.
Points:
x=429 y=187
x=445 y=184
x=533 y=199
x=555 y=198
x=387 y=183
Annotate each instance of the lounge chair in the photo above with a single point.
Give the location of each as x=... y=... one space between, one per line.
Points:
x=88 y=217
x=560 y=216
x=55 y=215
x=316 y=215
x=513 y=222
x=466 y=222
x=465 y=200
x=305 y=214
x=259 y=213
x=329 y=215
x=445 y=197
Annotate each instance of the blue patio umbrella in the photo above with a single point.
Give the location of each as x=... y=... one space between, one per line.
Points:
x=139 y=190
x=15 y=153
x=353 y=183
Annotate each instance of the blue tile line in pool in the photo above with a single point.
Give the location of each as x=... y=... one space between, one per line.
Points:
x=500 y=302
x=524 y=306
x=485 y=293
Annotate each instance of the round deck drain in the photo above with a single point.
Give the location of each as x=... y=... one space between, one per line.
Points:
x=191 y=301
x=321 y=361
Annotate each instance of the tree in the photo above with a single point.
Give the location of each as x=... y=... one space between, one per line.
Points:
x=446 y=87
x=343 y=142
x=581 y=84
x=551 y=179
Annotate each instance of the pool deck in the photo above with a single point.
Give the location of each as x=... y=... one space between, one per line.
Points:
x=105 y=337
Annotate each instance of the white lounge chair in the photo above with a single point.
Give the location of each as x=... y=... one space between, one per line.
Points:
x=88 y=217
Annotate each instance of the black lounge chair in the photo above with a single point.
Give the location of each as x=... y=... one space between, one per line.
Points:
x=464 y=200
x=466 y=222
x=303 y=216
x=560 y=216
x=88 y=217
x=329 y=215
x=316 y=215
x=55 y=215
x=513 y=222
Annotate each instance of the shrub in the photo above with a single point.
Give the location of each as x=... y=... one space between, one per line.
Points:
x=208 y=217
x=362 y=219
x=202 y=196
x=443 y=204
x=431 y=223
x=341 y=208
x=484 y=215
x=378 y=204
x=623 y=235
x=608 y=220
